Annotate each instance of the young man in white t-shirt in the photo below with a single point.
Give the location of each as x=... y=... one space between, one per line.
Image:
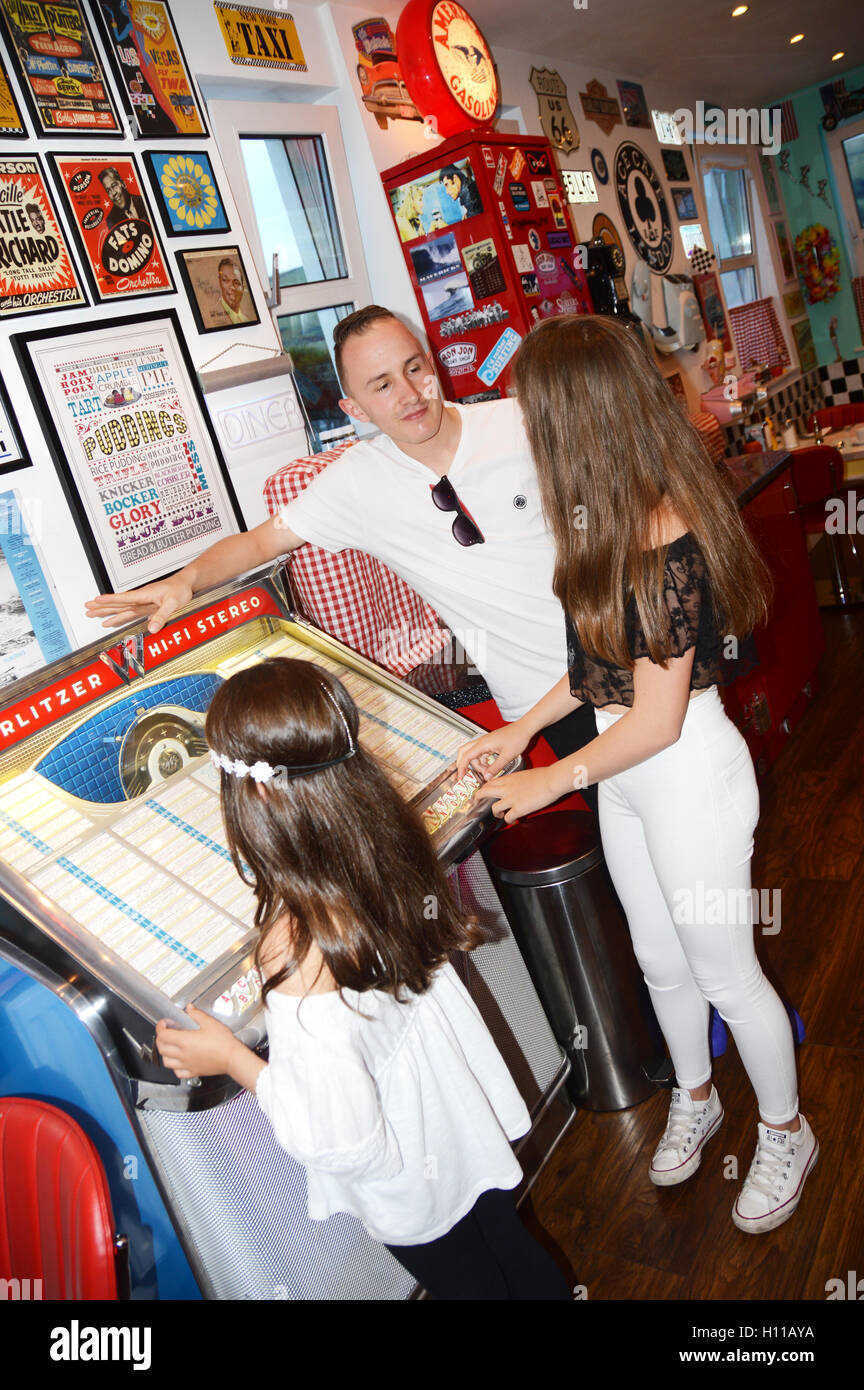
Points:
x=485 y=564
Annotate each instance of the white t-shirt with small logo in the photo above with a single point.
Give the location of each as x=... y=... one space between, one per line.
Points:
x=496 y=597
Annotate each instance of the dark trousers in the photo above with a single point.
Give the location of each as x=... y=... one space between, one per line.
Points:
x=571 y=733
x=487 y=1255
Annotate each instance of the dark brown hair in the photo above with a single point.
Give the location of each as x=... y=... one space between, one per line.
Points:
x=335 y=852
x=607 y=434
x=356 y=323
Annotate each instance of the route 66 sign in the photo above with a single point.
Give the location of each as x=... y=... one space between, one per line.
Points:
x=643 y=207
x=556 y=118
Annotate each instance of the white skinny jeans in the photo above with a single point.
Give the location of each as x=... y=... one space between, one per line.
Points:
x=676 y=829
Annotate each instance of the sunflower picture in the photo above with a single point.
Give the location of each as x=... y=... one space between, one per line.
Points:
x=189 y=198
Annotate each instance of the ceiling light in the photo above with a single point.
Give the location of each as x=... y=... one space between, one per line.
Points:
x=836 y=56
x=797 y=38
x=740 y=9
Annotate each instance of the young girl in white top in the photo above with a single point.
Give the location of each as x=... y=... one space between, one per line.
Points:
x=383 y=1079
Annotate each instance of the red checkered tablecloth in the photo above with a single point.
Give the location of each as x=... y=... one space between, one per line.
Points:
x=712 y=434
x=350 y=594
x=757 y=335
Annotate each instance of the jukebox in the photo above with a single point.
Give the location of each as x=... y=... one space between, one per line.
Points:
x=119 y=904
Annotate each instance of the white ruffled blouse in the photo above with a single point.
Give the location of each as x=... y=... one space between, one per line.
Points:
x=401 y=1113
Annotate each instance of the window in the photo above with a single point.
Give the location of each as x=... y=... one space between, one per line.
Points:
x=728 y=202
x=289 y=176
x=294 y=209
x=309 y=337
x=853 y=149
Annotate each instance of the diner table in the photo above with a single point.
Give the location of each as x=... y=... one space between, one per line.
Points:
x=850 y=442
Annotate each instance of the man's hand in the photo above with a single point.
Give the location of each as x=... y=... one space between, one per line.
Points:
x=159 y=600
x=522 y=792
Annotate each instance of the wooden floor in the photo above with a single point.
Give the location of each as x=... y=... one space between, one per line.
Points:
x=622 y=1237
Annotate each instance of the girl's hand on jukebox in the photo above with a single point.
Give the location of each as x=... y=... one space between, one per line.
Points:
x=208 y=1050
x=523 y=792
x=156 y=601
x=491 y=752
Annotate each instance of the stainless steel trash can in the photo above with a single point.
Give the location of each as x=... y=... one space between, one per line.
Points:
x=551 y=877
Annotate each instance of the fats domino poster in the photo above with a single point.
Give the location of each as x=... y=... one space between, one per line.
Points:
x=115 y=224
x=643 y=206
x=36 y=268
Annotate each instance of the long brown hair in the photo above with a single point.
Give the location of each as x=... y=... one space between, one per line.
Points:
x=607 y=435
x=336 y=852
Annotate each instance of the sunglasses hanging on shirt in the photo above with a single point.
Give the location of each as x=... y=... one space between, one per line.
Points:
x=465 y=529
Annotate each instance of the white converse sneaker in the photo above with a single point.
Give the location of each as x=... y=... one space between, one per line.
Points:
x=690 y=1123
x=773 y=1187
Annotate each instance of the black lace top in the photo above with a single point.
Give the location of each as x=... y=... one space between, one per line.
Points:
x=691 y=622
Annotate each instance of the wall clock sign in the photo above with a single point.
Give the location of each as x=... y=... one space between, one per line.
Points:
x=643 y=207
x=447 y=65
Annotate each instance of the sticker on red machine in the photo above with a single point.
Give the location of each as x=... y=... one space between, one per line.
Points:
x=488 y=156
x=522 y=258
x=498 y=358
x=458 y=358
x=517 y=163
x=541 y=198
x=505 y=221
x=558 y=211
x=538 y=161
x=500 y=175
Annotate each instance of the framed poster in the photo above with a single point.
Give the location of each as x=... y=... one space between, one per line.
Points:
x=151 y=68
x=685 y=204
x=218 y=288
x=784 y=251
x=186 y=192
x=804 y=345
x=675 y=166
x=711 y=304
x=634 y=105
x=61 y=77
x=114 y=223
x=13 y=452
x=36 y=267
x=793 y=303
x=33 y=629
x=772 y=194
x=132 y=441
x=12 y=125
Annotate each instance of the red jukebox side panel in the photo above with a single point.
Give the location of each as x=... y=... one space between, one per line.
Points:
x=485 y=235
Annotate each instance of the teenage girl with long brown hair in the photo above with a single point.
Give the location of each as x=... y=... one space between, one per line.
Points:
x=659 y=582
x=383 y=1079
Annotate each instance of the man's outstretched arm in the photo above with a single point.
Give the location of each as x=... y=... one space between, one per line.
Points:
x=216 y=565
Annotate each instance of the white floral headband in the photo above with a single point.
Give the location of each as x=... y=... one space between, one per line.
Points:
x=263 y=772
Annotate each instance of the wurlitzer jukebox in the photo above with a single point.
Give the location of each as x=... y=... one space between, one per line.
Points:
x=120 y=905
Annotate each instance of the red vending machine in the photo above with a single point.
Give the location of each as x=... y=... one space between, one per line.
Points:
x=484 y=230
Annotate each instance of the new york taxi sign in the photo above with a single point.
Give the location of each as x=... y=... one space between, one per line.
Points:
x=261 y=38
